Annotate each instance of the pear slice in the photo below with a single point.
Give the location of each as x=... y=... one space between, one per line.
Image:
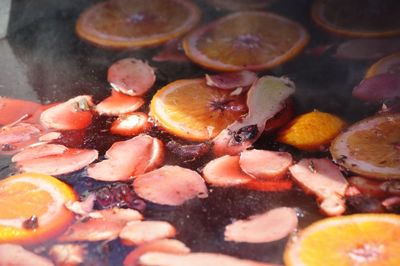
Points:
x=265 y=99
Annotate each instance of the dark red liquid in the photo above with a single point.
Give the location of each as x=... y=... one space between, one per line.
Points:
x=61 y=66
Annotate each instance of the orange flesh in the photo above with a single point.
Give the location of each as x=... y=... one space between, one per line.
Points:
x=342 y=245
x=372 y=147
x=28 y=194
x=311 y=131
x=222 y=45
x=242 y=41
x=121 y=14
x=39 y=201
x=388 y=64
x=186 y=109
x=124 y=23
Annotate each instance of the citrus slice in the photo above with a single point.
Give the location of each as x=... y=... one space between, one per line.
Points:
x=361 y=239
x=370 y=147
x=388 y=64
x=194 y=111
x=311 y=131
x=136 y=23
x=358 y=18
x=32 y=208
x=245 y=40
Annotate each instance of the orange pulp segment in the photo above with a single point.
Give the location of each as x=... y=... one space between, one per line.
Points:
x=388 y=64
x=192 y=110
x=358 y=18
x=311 y=131
x=249 y=40
x=26 y=196
x=361 y=239
x=136 y=23
x=370 y=147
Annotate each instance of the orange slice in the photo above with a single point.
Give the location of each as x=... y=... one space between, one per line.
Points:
x=192 y=110
x=361 y=239
x=136 y=23
x=311 y=131
x=370 y=147
x=243 y=41
x=32 y=208
x=388 y=64
x=358 y=18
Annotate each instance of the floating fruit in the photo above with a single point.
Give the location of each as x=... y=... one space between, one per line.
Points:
x=119 y=103
x=135 y=23
x=165 y=245
x=136 y=233
x=130 y=124
x=233 y=80
x=358 y=18
x=242 y=41
x=126 y=159
x=170 y=185
x=37 y=151
x=378 y=88
x=311 y=131
x=131 y=76
x=57 y=162
x=100 y=225
x=388 y=64
x=321 y=177
x=279 y=221
x=32 y=208
x=281 y=118
x=18 y=136
x=14 y=109
x=263 y=164
x=192 y=110
x=70 y=115
x=226 y=171
x=360 y=239
x=370 y=147
x=266 y=97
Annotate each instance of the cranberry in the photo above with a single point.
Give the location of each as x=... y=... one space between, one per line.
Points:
x=118 y=195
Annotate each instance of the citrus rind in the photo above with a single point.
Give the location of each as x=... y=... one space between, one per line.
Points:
x=318 y=17
x=87 y=31
x=384 y=65
x=341 y=240
x=191 y=117
x=374 y=148
x=55 y=219
x=190 y=42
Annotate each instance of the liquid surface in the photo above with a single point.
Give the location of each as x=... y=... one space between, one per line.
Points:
x=59 y=66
